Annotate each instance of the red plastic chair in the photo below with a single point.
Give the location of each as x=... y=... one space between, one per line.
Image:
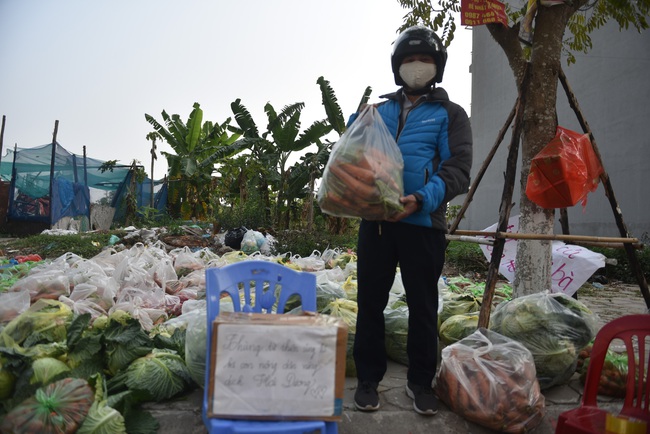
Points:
x=266 y=287
x=589 y=418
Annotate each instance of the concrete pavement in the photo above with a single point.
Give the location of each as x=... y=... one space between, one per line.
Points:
x=395 y=416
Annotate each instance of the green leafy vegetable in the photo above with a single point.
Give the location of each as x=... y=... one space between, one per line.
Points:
x=46 y=369
x=160 y=375
x=102 y=419
x=552 y=327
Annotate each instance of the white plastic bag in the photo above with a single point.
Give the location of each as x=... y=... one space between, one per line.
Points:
x=490 y=379
x=363 y=176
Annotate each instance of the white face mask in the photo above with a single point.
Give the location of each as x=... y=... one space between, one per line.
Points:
x=417 y=74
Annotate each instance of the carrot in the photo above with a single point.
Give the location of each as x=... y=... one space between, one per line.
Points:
x=364 y=175
x=385 y=171
x=450 y=382
x=364 y=191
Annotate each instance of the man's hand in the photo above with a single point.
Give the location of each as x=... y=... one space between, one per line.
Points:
x=410 y=206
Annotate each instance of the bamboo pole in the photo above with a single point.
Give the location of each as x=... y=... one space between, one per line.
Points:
x=506 y=205
x=556 y=237
x=52 y=162
x=2 y=135
x=467 y=239
x=609 y=192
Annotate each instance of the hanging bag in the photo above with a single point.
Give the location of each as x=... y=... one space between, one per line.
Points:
x=564 y=172
x=363 y=176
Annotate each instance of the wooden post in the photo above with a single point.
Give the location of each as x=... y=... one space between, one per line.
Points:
x=609 y=192
x=86 y=185
x=153 y=159
x=54 y=134
x=506 y=206
x=564 y=221
x=2 y=135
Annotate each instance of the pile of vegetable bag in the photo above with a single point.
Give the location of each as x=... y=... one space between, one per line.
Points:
x=363 y=175
x=490 y=379
x=130 y=324
x=554 y=327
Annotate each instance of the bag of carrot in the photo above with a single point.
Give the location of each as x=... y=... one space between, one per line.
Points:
x=363 y=175
x=490 y=380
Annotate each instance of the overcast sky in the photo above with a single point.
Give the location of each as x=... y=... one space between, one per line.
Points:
x=98 y=66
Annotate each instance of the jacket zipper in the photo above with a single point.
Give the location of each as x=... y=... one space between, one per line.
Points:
x=400 y=125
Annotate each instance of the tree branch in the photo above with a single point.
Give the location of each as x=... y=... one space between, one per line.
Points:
x=508 y=40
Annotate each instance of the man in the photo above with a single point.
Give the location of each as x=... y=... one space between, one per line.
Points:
x=435 y=139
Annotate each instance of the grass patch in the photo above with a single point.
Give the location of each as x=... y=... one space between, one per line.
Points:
x=622 y=270
x=52 y=246
x=304 y=243
x=466 y=257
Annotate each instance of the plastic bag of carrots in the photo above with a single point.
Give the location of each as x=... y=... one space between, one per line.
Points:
x=363 y=176
x=490 y=380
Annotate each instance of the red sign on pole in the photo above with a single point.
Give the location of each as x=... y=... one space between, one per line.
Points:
x=478 y=12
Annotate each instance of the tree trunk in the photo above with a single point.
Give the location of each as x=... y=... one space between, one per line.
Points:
x=534 y=258
x=310 y=203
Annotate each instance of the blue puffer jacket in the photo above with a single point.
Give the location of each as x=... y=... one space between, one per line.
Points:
x=436 y=145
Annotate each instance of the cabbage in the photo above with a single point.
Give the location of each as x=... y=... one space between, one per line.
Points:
x=396 y=334
x=159 y=375
x=553 y=327
x=46 y=369
x=456 y=304
x=102 y=419
x=346 y=310
x=7 y=381
x=457 y=327
x=196 y=344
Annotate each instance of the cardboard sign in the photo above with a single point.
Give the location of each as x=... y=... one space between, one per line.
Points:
x=572 y=265
x=478 y=12
x=277 y=366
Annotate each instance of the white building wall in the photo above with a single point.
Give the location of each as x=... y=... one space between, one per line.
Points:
x=612 y=87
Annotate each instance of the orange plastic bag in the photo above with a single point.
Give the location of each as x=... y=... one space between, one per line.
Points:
x=564 y=172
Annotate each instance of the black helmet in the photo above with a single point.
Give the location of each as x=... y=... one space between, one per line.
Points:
x=418 y=40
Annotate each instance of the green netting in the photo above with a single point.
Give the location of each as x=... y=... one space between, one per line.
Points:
x=33 y=170
x=42 y=191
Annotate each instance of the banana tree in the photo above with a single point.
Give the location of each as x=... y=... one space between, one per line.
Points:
x=284 y=128
x=261 y=156
x=273 y=149
x=198 y=146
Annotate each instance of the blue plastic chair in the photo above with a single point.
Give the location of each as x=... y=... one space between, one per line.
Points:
x=272 y=285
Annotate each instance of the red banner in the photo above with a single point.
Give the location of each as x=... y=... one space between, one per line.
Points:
x=478 y=12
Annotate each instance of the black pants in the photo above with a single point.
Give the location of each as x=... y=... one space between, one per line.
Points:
x=420 y=253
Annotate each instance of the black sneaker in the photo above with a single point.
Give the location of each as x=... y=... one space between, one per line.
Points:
x=424 y=401
x=366 y=397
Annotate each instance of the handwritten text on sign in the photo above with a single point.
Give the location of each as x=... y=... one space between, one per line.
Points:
x=286 y=370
